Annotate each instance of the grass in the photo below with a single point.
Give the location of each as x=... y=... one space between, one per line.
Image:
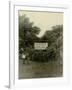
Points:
x=40 y=70
x=48 y=69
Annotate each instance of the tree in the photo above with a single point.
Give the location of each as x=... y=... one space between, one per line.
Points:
x=27 y=34
x=54 y=38
x=52 y=35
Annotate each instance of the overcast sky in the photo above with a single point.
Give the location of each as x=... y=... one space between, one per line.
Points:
x=44 y=20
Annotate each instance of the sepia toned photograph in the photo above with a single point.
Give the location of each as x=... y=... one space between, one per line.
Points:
x=40 y=44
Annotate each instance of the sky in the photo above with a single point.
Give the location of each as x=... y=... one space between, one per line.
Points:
x=44 y=20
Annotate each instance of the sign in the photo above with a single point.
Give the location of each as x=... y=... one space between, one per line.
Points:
x=40 y=46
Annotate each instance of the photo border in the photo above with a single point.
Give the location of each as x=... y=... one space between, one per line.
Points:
x=12 y=34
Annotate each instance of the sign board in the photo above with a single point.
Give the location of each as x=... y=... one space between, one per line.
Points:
x=40 y=46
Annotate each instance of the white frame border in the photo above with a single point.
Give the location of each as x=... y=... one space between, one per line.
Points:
x=12 y=79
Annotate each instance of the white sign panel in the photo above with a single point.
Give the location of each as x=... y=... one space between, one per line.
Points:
x=40 y=46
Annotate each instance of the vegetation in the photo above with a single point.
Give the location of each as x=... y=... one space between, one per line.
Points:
x=28 y=35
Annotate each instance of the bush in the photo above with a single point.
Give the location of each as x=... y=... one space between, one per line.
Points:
x=43 y=56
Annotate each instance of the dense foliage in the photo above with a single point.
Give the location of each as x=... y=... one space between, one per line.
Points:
x=28 y=35
x=55 y=44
